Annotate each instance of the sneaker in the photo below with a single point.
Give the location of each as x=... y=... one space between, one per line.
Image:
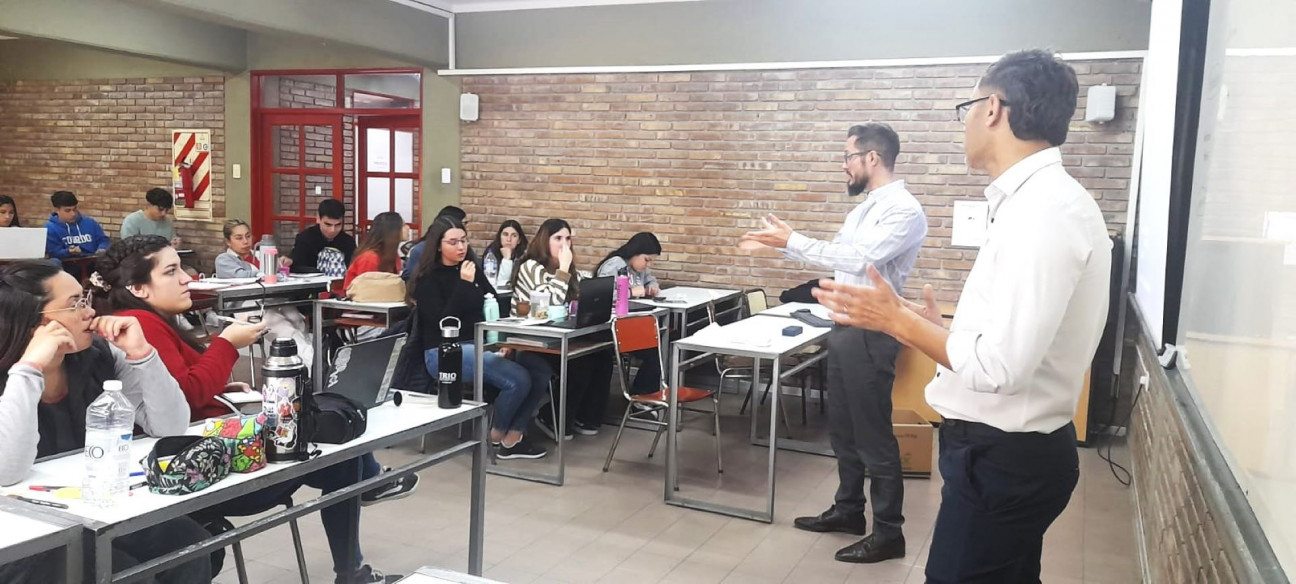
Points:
x=397 y=489
x=523 y=449
x=642 y=408
x=586 y=429
x=546 y=426
x=366 y=575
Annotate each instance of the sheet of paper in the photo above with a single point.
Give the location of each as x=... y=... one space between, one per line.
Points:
x=970 y=222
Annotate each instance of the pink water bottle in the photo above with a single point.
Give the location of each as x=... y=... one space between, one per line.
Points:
x=622 y=294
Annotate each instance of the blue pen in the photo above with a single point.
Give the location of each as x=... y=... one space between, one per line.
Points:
x=137 y=474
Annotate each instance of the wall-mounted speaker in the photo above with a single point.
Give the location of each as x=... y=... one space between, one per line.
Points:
x=469 y=107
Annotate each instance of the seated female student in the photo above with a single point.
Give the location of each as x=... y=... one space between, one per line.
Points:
x=636 y=258
x=8 y=212
x=238 y=261
x=379 y=251
x=502 y=254
x=444 y=285
x=54 y=358
x=143 y=279
x=548 y=266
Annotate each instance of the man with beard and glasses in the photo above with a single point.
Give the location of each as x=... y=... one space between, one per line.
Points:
x=886 y=230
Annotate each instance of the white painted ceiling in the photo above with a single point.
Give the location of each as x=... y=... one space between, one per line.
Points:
x=461 y=6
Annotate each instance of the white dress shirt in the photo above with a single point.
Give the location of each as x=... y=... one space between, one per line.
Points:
x=886 y=229
x=1033 y=307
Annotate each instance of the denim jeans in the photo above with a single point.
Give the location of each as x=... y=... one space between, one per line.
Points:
x=341 y=520
x=521 y=382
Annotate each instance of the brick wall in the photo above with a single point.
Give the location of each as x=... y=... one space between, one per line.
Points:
x=698 y=157
x=109 y=141
x=1182 y=538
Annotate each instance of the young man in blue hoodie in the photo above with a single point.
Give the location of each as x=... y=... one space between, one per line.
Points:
x=69 y=234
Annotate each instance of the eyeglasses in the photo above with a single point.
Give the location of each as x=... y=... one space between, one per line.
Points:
x=82 y=303
x=849 y=155
x=455 y=242
x=961 y=110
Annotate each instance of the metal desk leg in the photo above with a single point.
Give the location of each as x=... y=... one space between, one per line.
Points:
x=773 y=447
x=672 y=455
x=103 y=557
x=477 y=510
x=317 y=325
x=561 y=430
x=74 y=559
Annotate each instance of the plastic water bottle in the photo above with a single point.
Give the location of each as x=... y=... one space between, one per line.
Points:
x=491 y=312
x=110 y=421
x=492 y=267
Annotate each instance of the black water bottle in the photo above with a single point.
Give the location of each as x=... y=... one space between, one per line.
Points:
x=449 y=366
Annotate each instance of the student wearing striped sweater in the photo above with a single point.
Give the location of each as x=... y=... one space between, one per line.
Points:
x=549 y=266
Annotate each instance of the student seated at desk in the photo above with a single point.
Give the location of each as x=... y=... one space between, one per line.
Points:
x=154 y=218
x=379 y=251
x=502 y=254
x=549 y=267
x=54 y=358
x=327 y=233
x=445 y=285
x=144 y=280
x=636 y=258
x=68 y=233
x=8 y=212
x=238 y=261
x=416 y=252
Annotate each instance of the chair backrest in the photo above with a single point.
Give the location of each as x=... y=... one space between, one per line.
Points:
x=636 y=332
x=756 y=301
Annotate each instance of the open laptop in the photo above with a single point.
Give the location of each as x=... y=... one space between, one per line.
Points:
x=22 y=243
x=594 y=306
x=363 y=371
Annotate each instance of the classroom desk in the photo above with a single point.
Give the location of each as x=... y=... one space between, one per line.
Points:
x=385 y=315
x=758 y=337
x=388 y=424
x=430 y=575
x=569 y=347
x=685 y=300
x=294 y=292
x=29 y=529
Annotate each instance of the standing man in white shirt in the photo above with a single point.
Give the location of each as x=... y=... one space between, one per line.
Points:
x=885 y=230
x=1025 y=330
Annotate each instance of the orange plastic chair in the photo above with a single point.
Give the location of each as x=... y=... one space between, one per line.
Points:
x=639 y=332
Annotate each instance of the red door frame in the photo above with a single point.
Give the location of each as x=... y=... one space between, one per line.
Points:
x=263 y=219
x=392 y=123
x=262 y=200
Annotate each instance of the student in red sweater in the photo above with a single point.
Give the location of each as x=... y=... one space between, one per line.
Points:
x=143 y=278
x=379 y=251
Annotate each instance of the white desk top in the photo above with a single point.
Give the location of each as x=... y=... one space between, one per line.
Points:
x=688 y=298
x=757 y=336
x=384 y=420
x=19 y=528
x=786 y=310
x=428 y=575
x=534 y=328
x=382 y=307
x=207 y=285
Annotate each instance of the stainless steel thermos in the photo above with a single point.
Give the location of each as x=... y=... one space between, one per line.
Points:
x=285 y=402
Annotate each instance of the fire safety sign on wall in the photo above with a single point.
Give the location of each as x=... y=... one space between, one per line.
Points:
x=191 y=173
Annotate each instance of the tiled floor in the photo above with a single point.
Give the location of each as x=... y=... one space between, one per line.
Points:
x=614 y=527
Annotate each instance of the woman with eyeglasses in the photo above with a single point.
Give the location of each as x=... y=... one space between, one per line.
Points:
x=55 y=355
x=447 y=284
x=143 y=280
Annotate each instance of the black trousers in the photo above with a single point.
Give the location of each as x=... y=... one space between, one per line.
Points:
x=589 y=379
x=1002 y=491
x=861 y=370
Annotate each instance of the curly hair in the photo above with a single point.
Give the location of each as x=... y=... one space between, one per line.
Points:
x=130 y=262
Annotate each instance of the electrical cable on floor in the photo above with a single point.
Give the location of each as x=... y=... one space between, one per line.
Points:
x=1128 y=477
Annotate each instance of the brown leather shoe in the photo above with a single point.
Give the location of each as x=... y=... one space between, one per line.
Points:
x=832 y=520
x=872 y=549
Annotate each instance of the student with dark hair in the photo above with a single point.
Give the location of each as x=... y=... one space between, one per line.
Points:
x=154 y=218
x=143 y=280
x=503 y=253
x=55 y=356
x=1012 y=365
x=446 y=284
x=549 y=267
x=379 y=251
x=8 y=212
x=69 y=233
x=636 y=258
x=450 y=211
x=327 y=232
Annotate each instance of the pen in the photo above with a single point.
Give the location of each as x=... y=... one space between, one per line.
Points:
x=138 y=473
x=235 y=320
x=44 y=488
x=39 y=502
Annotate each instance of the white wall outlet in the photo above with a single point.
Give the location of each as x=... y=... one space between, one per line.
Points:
x=445 y=176
x=237 y=171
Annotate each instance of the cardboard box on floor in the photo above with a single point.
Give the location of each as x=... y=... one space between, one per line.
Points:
x=917 y=438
